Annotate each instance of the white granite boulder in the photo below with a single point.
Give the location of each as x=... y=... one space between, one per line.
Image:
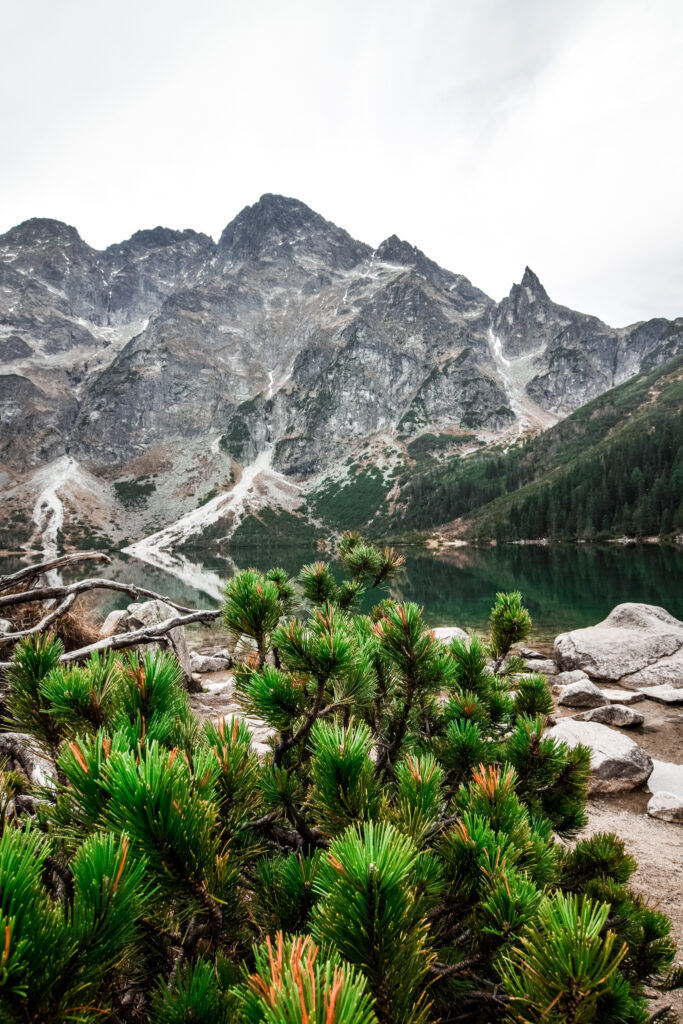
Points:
x=665 y=672
x=580 y=695
x=546 y=666
x=632 y=637
x=663 y=694
x=565 y=678
x=667 y=807
x=618 y=763
x=613 y=695
x=613 y=714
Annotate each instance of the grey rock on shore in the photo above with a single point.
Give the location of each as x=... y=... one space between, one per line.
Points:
x=613 y=714
x=618 y=763
x=632 y=639
x=667 y=807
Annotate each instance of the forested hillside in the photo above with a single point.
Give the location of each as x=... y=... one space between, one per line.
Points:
x=613 y=467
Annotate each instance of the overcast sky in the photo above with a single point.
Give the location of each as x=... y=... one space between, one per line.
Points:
x=490 y=133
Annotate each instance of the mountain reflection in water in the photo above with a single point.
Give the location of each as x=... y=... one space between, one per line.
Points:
x=564 y=587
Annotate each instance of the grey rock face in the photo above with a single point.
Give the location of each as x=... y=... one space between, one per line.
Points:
x=617 y=762
x=287 y=332
x=34 y=426
x=632 y=637
x=576 y=357
x=459 y=391
x=613 y=714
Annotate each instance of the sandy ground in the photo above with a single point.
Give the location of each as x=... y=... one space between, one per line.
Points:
x=658 y=848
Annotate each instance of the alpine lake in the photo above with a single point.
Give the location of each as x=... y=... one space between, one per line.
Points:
x=564 y=586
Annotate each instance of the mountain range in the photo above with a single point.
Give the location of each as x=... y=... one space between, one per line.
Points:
x=169 y=385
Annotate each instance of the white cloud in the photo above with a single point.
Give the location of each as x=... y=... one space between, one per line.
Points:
x=491 y=134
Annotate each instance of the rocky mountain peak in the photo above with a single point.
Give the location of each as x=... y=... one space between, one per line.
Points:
x=41 y=231
x=271 y=220
x=532 y=285
x=461 y=291
x=395 y=250
x=160 y=238
x=276 y=226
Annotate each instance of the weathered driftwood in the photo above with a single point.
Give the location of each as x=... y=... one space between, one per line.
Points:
x=145 y=635
x=66 y=595
x=31 y=572
x=82 y=587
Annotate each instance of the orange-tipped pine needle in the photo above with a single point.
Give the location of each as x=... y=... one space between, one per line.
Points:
x=122 y=864
x=78 y=754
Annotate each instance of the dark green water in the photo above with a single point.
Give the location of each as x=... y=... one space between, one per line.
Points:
x=564 y=587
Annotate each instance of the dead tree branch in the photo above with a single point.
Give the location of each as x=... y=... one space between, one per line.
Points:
x=31 y=572
x=82 y=587
x=145 y=635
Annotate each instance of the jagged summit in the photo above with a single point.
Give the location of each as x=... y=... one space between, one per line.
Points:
x=276 y=225
x=531 y=282
x=184 y=353
x=271 y=217
x=395 y=250
x=41 y=230
x=160 y=238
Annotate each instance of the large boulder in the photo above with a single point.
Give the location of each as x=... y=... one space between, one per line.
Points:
x=151 y=613
x=613 y=714
x=618 y=763
x=667 y=806
x=581 y=695
x=632 y=637
x=665 y=672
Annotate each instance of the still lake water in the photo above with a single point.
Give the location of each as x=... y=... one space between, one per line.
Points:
x=564 y=587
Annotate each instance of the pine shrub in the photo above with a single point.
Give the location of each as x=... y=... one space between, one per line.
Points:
x=392 y=860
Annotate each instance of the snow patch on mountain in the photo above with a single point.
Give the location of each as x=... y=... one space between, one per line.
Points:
x=260 y=485
x=515 y=374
